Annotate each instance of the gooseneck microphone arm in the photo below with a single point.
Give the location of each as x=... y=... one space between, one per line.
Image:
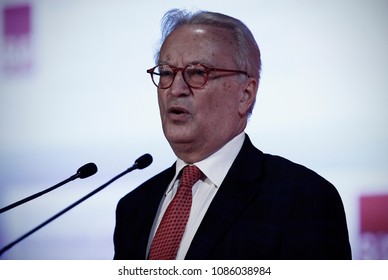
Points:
x=140 y=163
x=83 y=172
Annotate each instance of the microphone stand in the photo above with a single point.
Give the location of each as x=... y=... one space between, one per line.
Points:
x=66 y=209
x=83 y=172
x=13 y=205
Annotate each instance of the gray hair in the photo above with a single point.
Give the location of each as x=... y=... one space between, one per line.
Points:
x=246 y=51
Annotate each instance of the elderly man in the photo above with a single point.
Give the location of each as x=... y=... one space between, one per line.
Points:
x=222 y=198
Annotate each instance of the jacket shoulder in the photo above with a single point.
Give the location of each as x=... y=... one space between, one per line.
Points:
x=301 y=178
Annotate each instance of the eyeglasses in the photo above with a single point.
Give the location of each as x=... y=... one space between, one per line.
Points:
x=195 y=75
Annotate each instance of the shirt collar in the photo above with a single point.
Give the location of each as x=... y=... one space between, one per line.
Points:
x=216 y=166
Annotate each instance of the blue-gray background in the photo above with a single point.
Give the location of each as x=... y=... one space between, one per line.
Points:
x=322 y=102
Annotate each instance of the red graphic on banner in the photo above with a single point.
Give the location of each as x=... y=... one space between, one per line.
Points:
x=17 y=47
x=374 y=227
x=17 y=21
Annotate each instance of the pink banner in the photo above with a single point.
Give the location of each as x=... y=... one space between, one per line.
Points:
x=17 y=42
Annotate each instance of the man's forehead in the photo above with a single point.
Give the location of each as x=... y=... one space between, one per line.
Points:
x=202 y=30
x=196 y=44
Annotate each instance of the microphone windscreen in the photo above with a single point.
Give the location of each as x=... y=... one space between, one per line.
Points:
x=87 y=170
x=143 y=161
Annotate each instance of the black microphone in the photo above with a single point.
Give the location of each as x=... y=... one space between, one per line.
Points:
x=141 y=163
x=85 y=171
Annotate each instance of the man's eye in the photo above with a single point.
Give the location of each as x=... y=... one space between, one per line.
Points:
x=165 y=73
x=196 y=72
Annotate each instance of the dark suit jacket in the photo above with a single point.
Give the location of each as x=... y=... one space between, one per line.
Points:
x=266 y=208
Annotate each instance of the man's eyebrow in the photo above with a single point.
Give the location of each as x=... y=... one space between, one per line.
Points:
x=162 y=62
x=197 y=62
x=194 y=62
x=202 y=62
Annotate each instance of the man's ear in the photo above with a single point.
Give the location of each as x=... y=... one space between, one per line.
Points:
x=248 y=97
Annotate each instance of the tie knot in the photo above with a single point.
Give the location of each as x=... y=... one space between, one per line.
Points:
x=191 y=174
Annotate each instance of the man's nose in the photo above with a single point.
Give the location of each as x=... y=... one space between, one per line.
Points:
x=179 y=85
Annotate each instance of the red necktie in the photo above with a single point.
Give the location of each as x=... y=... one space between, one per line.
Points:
x=168 y=237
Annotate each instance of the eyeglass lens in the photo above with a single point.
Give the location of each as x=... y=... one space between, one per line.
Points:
x=194 y=75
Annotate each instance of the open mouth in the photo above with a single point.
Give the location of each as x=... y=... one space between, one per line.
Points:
x=177 y=111
x=178 y=114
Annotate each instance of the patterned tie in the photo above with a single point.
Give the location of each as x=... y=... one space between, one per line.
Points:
x=168 y=237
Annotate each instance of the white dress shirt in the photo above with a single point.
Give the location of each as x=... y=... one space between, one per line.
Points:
x=215 y=167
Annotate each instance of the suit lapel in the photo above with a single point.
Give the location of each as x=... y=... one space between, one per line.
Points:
x=234 y=194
